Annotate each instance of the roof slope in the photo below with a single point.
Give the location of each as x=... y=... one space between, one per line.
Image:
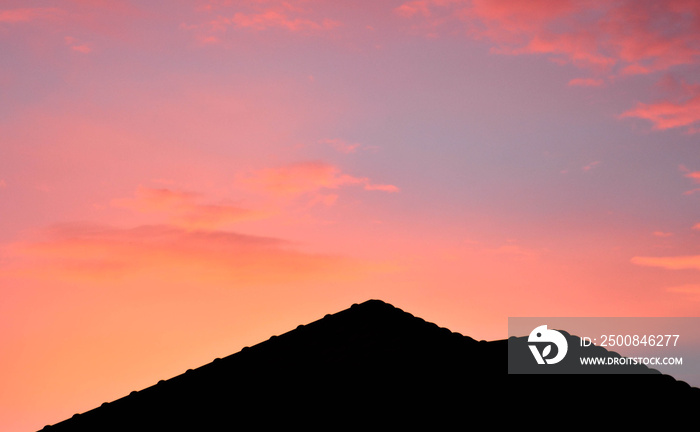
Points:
x=355 y=361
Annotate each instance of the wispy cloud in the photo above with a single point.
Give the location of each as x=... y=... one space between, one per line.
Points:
x=260 y=16
x=27 y=14
x=380 y=187
x=662 y=234
x=668 y=114
x=272 y=18
x=670 y=262
x=590 y=166
x=693 y=175
x=341 y=145
x=307 y=177
x=586 y=82
x=87 y=253
x=608 y=39
x=627 y=37
x=183 y=209
x=416 y=7
x=76 y=45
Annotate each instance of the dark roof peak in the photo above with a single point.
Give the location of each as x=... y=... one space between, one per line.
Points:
x=372 y=348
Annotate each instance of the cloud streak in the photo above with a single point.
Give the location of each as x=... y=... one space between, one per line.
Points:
x=27 y=14
x=341 y=146
x=184 y=211
x=689 y=262
x=693 y=175
x=586 y=82
x=262 y=16
x=86 y=253
x=307 y=177
x=272 y=18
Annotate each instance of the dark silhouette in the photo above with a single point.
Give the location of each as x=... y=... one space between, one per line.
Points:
x=376 y=360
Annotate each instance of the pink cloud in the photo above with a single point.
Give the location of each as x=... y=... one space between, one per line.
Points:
x=270 y=14
x=662 y=234
x=75 y=45
x=257 y=16
x=695 y=175
x=632 y=36
x=586 y=82
x=3 y=184
x=341 y=145
x=272 y=18
x=670 y=263
x=81 y=48
x=26 y=14
x=384 y=188
x=590 y=166
x=670 y=114
x=208 y=40
x=696 y=226
x=306 y=177
x=627 y=37
x=417 y=7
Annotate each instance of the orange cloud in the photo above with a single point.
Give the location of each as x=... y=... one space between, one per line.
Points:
x=670 y=263
x=662 y=234
x=306 y=177
x=83 y=253
x=183 y=210
x=696 y=226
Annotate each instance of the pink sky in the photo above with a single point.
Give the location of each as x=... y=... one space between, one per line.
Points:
x=180 y=181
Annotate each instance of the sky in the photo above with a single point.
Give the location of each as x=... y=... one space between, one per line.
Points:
x=181 y=179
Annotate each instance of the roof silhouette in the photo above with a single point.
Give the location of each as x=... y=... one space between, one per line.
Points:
x=362 y=360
